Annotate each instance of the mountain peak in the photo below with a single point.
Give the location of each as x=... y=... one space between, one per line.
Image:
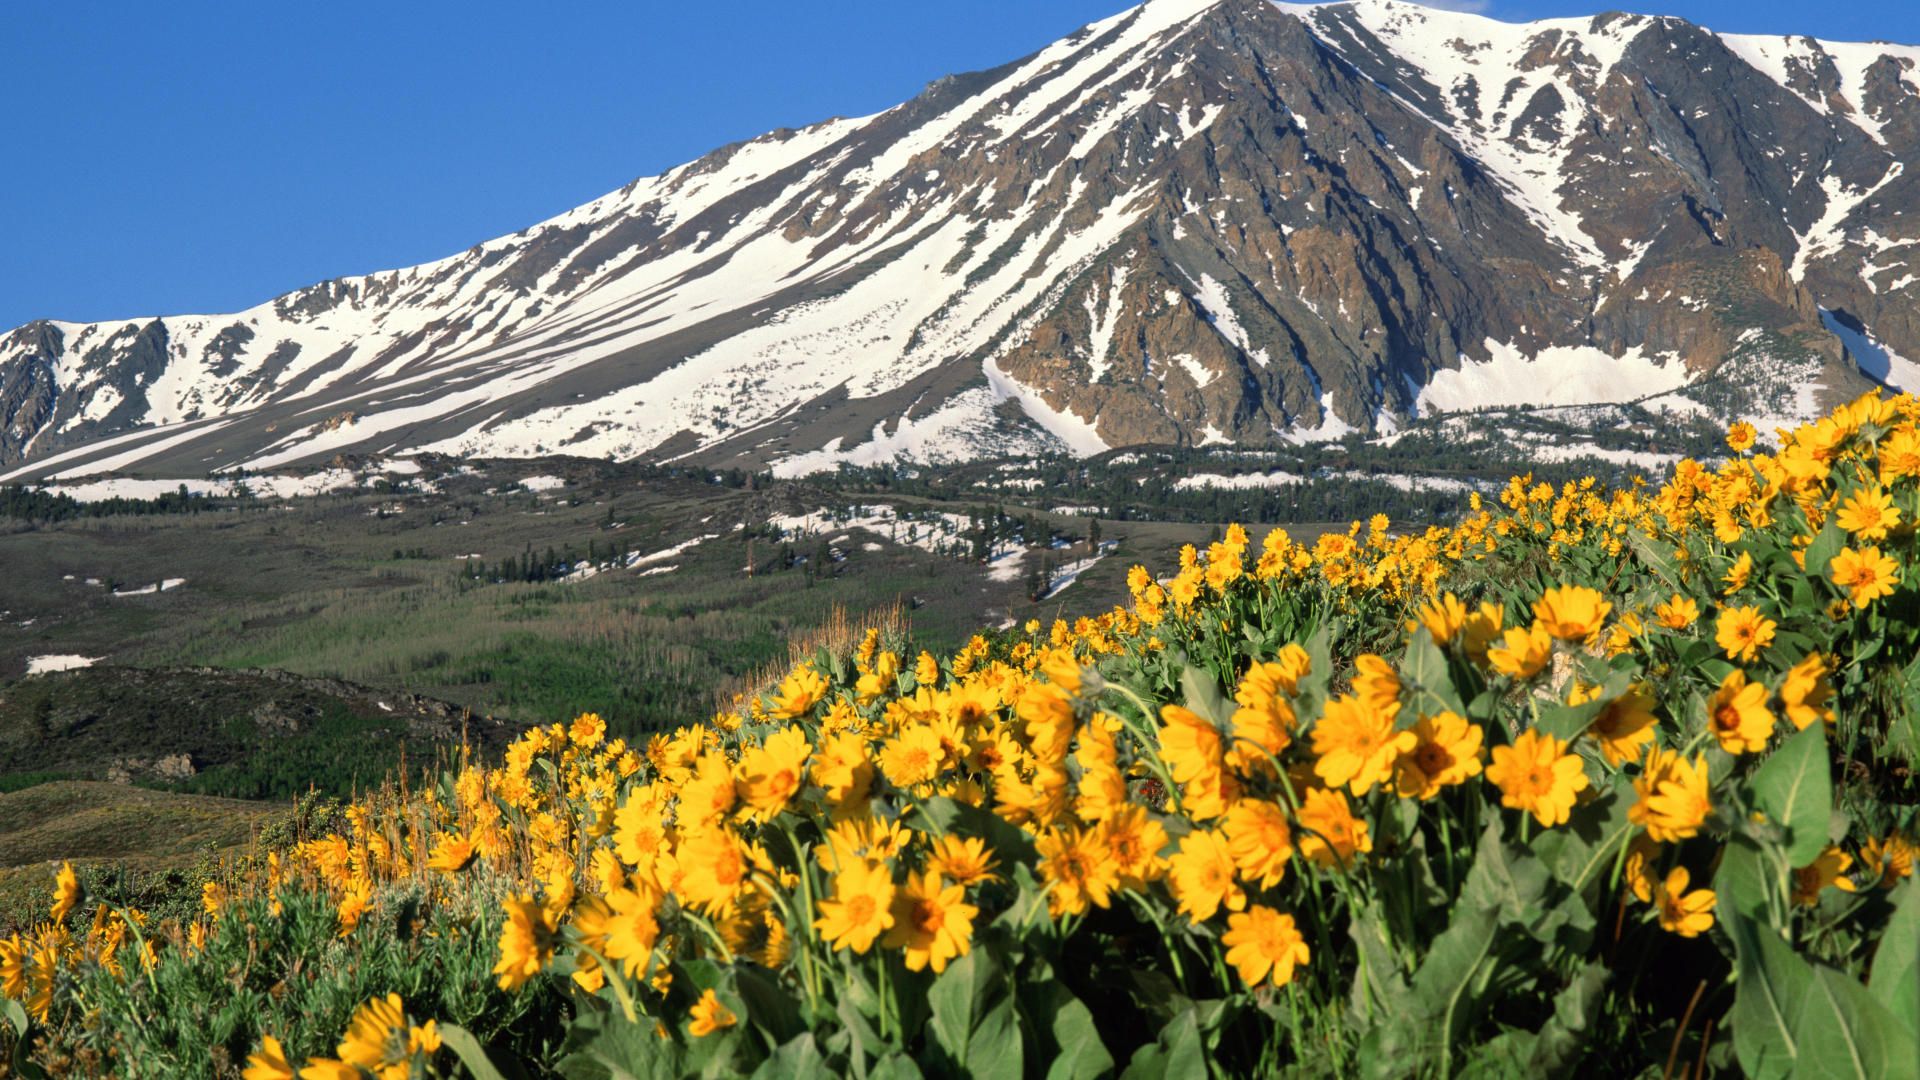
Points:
x=1195 y=221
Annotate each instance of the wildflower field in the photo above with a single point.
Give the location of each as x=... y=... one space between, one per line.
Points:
x=1590 y=782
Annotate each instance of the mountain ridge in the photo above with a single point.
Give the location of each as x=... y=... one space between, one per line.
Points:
x=1195 y=221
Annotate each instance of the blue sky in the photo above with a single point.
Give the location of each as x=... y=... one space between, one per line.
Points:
x=206 y=155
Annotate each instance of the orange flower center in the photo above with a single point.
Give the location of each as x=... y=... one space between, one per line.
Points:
x=928 y=916
x=1072 y=867
x=1432 y=758
x=860 y=910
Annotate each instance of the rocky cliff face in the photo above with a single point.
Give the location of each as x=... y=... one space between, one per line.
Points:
x=1197 y=221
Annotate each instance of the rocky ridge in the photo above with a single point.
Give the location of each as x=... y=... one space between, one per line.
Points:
x=1198 y=221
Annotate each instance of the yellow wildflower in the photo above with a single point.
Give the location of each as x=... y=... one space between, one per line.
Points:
x=1264 y=946
x=1737 y=714
x=1688 y=914
x=1537 y=775
x=1743 y=632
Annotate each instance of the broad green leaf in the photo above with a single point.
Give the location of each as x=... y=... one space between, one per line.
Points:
x=1795 y=790
x=980 y=1035
x=1770 y=994
x=1583 y=852
x=1824 y=547
x=471 y=1054
x=895 y=1066
x=604 y=1046
x=799 y=1056
x=1569 y=1030
x=954 y=1001
x=1845 y=1032
x=1511 y=883
x=1312 y=694
x=17 y=1017
x=1895 y=979
x=996 y=1048
x=770 y=1008
x=1443 y=986
x=1903 y=727
x=864 y=1041
x=1379 y=990
x=948 y=815
x=1177 y=1052
x=1029 y=907
x=1744 y=882
x=1201 y=693
x=1083 y=1056
x=1655 y=557
x=1429 y=683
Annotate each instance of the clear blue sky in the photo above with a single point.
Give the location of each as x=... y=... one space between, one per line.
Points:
x=202 y=156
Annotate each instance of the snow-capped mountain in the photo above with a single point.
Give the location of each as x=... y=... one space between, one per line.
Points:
x=1196 y=221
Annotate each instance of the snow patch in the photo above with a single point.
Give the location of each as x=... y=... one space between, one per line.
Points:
x=1081 y=437
x=43 y=665
x=1880 y=363
x=1559 y=375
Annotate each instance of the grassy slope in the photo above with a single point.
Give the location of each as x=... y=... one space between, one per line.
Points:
x=131 y=829
x=314 y=588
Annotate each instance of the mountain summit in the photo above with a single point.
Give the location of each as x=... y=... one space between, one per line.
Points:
x=1197 y=221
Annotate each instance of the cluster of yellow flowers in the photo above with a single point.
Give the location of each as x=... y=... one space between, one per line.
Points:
x=30 y=963
x=882 y=802
x=381 y=1041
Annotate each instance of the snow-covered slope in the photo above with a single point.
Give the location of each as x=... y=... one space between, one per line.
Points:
x=1195 y=221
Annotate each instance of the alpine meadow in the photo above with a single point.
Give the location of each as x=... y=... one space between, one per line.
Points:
x=1260 y=540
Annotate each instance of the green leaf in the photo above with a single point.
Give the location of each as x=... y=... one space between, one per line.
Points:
x=895 y=1066
x=1442 y=988
x=770 y=1008
x=953 y=1000
x=1903 y=728
x=1564 y=722
x=1083 y=1056
x=1424 y=670
x=980 y=1035
x=1379 y=991
x=1202 y=694
x=17 y=1016
x=1655 y=558
x=948 y=815
x=1744 y=881
x=1177 y=1052
x=472 y=1055
x=1770 y=993
x=1569 y=1030
x=1580 y=854
x=1029 y=903
x=1795 y=790
x=1895 y=980
x=1311 y=695
x=798 y=1056
x=603 y=1046
x=996 y=1050
x=864 y=1041
x=1510 y=883
x=1845 y=1032
x=1824 y=547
